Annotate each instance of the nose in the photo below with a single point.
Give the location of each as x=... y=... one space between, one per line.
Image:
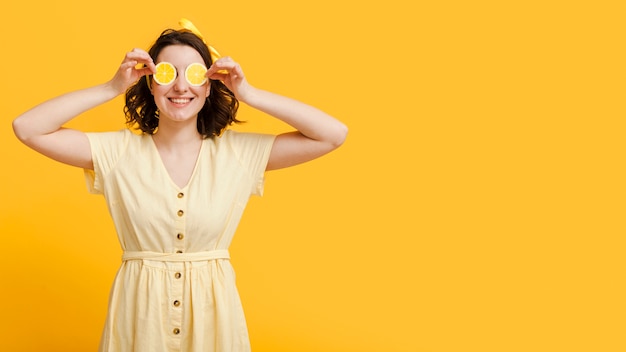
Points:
x=180 y=84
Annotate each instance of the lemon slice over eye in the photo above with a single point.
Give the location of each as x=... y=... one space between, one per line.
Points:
x=165 y=73
x=195 y=74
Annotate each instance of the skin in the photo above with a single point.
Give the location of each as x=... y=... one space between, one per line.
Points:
x=178 y=141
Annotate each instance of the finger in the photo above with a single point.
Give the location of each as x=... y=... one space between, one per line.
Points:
x=216 y=66
x=140 y=56
x=225 y=69
x=216 y=70
x=231 y=65
x=139 y=50
x=237 y=70
x=145 y=71
x=217 y=76
x=224 y=62
x=140 y=68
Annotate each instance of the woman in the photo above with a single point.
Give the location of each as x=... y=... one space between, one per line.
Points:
x=177 y=190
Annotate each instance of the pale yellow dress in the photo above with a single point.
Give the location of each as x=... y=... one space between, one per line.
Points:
x=175 y=289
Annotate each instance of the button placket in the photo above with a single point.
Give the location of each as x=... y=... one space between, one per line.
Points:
x=177 y=275
x=179 y=232
x=175 y=307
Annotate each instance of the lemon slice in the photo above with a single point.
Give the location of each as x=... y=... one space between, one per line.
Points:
x=165 y=73
x=195 y=74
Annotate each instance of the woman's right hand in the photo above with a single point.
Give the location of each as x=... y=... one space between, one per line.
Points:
x=41 y=127
x=136 y=64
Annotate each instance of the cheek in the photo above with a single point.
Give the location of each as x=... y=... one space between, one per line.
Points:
x=202 y=92
x=158 y=90
x=156 y=93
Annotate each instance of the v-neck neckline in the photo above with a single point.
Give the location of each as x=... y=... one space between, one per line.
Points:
x=167 y=173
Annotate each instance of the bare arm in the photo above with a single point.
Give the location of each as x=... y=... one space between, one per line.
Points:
x=41 y=128
x=317 y=132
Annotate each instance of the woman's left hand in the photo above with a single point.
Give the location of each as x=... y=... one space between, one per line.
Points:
x=228 y=71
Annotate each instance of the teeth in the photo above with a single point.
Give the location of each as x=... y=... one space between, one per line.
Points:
x=180 y=101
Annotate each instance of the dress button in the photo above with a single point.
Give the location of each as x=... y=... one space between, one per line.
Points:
x=178 y=275
x=176 y=331
x=181 y=194
x=180 y=236
x=176 y=303
x=180 y=213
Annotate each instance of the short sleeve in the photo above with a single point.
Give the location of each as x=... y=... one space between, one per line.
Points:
x=106 y=148
x=253 y=152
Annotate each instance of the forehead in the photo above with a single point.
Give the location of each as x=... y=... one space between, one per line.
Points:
x=179 y=55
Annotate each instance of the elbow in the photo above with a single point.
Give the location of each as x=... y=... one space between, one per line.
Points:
x=18 y=129
x=23 y=130
x=340 y=136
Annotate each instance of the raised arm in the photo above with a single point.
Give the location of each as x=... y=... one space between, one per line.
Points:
x=41 y=128
x=317 y=133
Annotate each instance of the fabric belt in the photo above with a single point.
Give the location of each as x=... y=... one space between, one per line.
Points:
x=177 y=257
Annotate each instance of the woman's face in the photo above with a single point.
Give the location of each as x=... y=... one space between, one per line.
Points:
x=179 y=101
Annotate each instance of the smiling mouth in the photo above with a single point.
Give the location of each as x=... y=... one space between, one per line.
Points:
x=180 y=100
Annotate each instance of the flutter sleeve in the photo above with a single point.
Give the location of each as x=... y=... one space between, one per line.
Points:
x=106 y=149
x=252 y=150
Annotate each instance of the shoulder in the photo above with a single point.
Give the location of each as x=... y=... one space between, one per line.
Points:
x=114 y=141
x=119 y=135
x=123 y=136
x=239 y=140
x=251 y=150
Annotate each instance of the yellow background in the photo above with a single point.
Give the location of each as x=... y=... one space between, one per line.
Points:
x=477 y=205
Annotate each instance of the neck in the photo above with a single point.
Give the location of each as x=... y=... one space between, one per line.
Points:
x=177 y=136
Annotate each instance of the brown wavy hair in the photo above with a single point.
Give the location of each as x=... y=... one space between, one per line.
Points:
x=218 y=112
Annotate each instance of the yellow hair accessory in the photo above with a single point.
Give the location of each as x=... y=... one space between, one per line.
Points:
x=189 y=26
